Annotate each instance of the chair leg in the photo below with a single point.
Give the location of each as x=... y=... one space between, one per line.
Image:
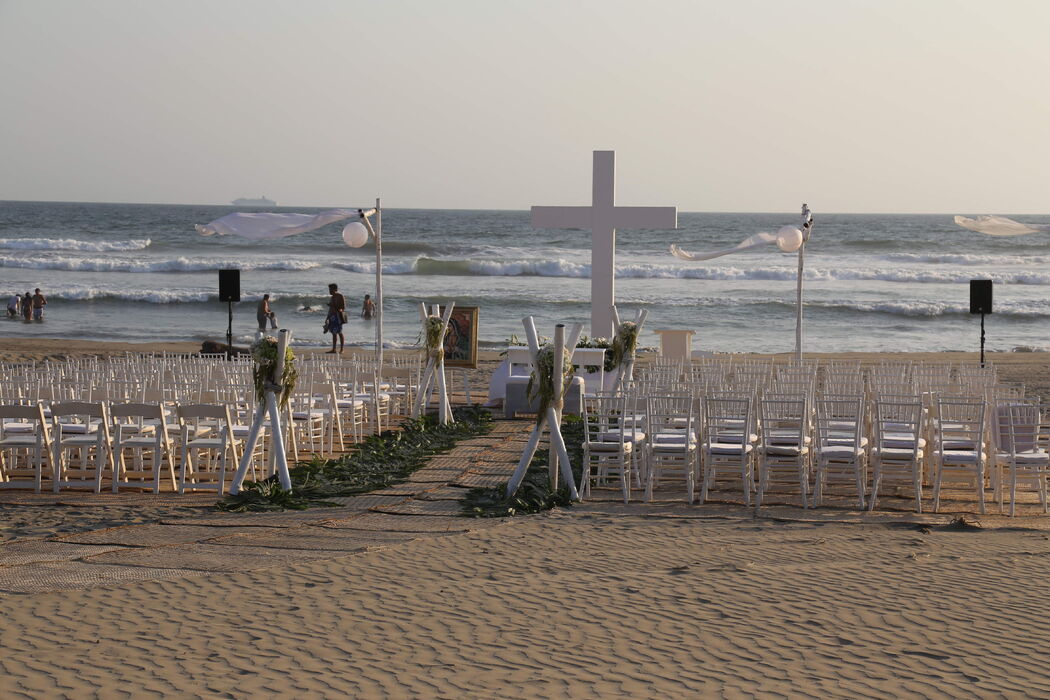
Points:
x=937 y=489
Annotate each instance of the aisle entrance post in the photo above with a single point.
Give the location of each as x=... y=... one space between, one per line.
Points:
x=269 y=405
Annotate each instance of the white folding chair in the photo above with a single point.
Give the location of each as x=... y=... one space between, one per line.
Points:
x=141 y=447
x=24 y=446
x=80 y=444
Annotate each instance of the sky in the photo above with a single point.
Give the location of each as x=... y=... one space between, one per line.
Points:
x=913 y=106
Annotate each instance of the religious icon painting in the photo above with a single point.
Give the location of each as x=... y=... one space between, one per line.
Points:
x=461 y=339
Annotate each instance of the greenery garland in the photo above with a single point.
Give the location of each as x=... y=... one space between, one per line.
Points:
x=541 y=381
x=625 y=343
x=264 y=352
x=433 y=328
x=378 y=462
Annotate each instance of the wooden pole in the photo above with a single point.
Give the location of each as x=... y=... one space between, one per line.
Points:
x=559 y=370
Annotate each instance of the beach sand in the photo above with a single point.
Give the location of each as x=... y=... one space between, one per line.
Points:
x=598 y=600
x=577 y=603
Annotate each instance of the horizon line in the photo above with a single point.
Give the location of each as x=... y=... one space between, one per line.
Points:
x=494 y=209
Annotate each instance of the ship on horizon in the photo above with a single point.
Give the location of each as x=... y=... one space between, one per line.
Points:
x=261 y=201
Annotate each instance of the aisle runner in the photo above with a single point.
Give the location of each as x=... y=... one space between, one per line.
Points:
x=424 y=506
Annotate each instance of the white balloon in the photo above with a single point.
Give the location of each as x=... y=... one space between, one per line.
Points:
x=789 y=239
x=355 y=234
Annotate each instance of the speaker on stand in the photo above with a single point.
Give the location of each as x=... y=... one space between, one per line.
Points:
x=229 y=291
x=981 y=303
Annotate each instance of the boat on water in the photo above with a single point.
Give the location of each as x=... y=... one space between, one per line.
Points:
x=253 y=202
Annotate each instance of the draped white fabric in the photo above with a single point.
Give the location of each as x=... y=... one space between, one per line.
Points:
x=999 y=226
x=755 y=241
x=267 y=225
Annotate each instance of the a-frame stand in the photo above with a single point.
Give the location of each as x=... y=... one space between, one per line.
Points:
x=625 y=372
x=552 y=418
x=268 y=406
x=434 y=374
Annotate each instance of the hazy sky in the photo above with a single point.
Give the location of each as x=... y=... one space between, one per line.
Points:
x=742 y=105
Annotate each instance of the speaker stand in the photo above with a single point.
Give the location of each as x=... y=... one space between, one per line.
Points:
x=982 y=341
x=229 y=333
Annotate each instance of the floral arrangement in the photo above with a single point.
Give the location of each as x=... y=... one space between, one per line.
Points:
x=432 y=330
x=625 y=343
x=264 y=352
x=541 y=382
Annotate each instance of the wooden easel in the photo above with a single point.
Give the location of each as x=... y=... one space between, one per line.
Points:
x=269 y=405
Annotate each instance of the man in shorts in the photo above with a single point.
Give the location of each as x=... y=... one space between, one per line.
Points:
x=336 y=316
x=39 y=302
x=263 y=312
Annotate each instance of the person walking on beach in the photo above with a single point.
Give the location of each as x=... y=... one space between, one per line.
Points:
x=27 y=307
x=263 y=312
x=13 y=305
x=336 y=316
x=39 y=302
x=368 y=309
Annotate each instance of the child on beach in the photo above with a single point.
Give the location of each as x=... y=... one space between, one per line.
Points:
x=27 y=307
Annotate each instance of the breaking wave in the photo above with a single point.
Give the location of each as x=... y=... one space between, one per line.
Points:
x=567 y=268
x=73 y=244
x=167 y=265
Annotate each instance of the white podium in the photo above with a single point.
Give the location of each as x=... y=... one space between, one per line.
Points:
x=675 y=343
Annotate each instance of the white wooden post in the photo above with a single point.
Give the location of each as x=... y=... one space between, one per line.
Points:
x=268 y=405
x=807 y=229
x=559 y=371
x=549 y=420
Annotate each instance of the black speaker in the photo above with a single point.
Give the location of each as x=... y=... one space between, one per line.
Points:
x=980 y=296
x=229 y=285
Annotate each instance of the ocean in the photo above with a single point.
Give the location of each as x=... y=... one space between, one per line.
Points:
x=141 y=273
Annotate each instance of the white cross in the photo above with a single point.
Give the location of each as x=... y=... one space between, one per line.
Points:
x=603 y=217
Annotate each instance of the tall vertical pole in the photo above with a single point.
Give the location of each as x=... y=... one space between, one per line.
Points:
x=379 y=288
x=229 y=332
x=982 y=341
x=807 y=229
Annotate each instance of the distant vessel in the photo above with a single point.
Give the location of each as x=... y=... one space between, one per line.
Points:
x=248 y=202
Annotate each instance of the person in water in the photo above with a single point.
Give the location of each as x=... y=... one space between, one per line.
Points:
x=39 y=302
x=264 y=312
x=336 y=316
x=368 y=309
x=27 y=307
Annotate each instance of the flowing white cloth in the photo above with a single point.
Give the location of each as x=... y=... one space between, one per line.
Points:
x=788 y=239
x=999 y=226
x=263 y=226
x=759 y=239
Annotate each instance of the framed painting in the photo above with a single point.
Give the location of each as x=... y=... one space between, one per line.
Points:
x=461 y=340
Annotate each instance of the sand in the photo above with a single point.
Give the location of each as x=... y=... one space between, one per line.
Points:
x=570 y=604
x=599 y=600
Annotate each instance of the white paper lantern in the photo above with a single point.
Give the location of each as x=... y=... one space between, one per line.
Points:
x=355 y=234
x=789 y=239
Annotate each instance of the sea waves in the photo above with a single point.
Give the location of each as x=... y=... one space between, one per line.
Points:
x=73 y=244
x=568 y=268
x=110 y=264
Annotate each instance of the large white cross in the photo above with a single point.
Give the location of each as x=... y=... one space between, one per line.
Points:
x=603 y=217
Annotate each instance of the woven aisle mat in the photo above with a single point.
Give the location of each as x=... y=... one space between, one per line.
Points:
x=287 y=518
x=436 y=476
x=366 y=501
x=432 y=508
x=311 y=538
x=209 y=557
x=67 y=575
x=30 y=551
x=445 y=493
x=152 y=535
x=482 y=480
x=447 y=461
x=384 y=522
x=406 y=489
